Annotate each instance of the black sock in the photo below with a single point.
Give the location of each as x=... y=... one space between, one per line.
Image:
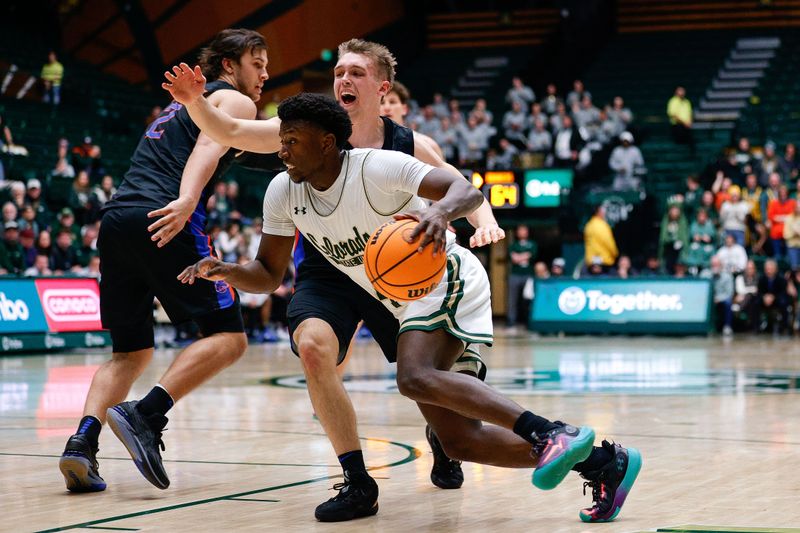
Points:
x=157 y=400
x=353 y=461
x=596 y=460
x=90 y=426
x=528 y=424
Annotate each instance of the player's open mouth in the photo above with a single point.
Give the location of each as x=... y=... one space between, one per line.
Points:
x=347 y=98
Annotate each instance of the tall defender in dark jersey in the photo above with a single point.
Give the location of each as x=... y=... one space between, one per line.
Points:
x=150 y=229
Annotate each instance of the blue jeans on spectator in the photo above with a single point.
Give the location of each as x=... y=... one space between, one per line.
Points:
x=724 y=309
x=794 y=257
x=737 y=234
x=778 y=249
x=52 y=93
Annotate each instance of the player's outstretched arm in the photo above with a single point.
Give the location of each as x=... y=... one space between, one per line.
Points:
x=187 y=86
x=264 y=274
x=487 y=231
x=455 y=197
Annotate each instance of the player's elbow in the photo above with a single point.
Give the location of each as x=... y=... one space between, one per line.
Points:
x=473 y=197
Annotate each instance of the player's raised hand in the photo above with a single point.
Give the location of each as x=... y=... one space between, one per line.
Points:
x=432 y=226
x=488 y=234
x=184 y=84
x=173 y=217
x=209 y=268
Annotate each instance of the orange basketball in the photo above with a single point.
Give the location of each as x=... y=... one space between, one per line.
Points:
x=394 y=266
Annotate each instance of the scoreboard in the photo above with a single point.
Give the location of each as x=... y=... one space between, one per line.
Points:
x=509 y=189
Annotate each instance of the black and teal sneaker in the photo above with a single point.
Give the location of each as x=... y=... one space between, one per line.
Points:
x=79 y=466
x=358 y=497
x=142 y=437
x=559 y=450
x=611 y=484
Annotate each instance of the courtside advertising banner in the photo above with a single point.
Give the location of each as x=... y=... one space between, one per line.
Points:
x=20 y=309
x=70 y=304
x=622 y=306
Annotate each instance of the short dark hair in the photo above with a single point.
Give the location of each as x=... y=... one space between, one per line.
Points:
x=228 y=44
x=319 y=110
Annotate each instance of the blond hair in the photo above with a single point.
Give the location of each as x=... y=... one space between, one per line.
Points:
x=380 y=55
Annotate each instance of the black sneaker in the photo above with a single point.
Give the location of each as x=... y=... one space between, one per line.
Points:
x=446 y=473
x=358 y=497
x=611 y=484
x=79 y=466
x=142 y=437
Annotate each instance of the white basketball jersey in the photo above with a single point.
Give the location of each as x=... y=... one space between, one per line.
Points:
x=372 y=186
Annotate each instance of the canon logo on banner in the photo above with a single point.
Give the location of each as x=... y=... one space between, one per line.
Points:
x=70 y=305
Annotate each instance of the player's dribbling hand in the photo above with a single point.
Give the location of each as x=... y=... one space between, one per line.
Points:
x=488 y=234
x=432 y=225
x=186 y=85
x=209 y=268
x=174 y=216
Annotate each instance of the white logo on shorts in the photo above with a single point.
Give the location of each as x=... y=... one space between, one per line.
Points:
x=572 y=300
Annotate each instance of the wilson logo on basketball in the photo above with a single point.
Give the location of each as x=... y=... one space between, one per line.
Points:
x=71 y=305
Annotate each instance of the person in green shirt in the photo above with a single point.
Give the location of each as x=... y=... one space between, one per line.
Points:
x=702 y=243
x=679 y=111
x=522 y=252
x=52 y=74
x=12 y=256
x=673 y=238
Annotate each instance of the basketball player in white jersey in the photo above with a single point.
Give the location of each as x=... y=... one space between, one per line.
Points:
x=335 y=196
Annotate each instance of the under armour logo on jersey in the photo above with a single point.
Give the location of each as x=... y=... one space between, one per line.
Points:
x=299 y=210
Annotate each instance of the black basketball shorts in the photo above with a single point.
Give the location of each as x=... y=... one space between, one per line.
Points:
x=135 y=270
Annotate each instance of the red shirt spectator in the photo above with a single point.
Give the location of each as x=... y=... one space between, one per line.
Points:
x=778 y=210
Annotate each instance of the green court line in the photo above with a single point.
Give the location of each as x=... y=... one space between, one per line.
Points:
x=691 y=528
x=251 y=500
x=413 y=454
x=231 y=463
x=112 y=528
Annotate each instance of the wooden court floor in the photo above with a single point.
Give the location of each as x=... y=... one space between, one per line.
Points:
x=718 y=424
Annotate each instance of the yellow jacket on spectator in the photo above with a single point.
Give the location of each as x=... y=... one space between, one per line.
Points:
x=791 y=231
x=754 y=199
x=679 y=109
x=599 y=241
x=53 y=72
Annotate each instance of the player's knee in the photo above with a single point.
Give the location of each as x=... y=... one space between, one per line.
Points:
x=136 y=361
x=417 y=384
x=457 y=446
x=316 y=356
x=235 y=346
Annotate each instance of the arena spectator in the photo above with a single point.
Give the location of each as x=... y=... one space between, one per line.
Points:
x=551 y=101
x=586 y=115
x=733 y=214
x=791 y=235
x=674 y=236
x=577 y=93
x=514 y=124
x=692 y=198
x=481 y=113
x=230 y=241
x=87 y=156
x=81 y=200
x=522 y=253
x=27 y=219
x=520 y=93
x=88 y=246
x=624 y=269
x=17 y=192
x=34 y=199
x=52 y=75
x=502 y=159
x=456 y=115
x=679 y=111
x=63 y=168
x=540 y=141
x=745 y=159
x=44 y=243
x=732 y=255
x=439 y=106
x=27 y=239
x=707 y=203
x=557 y=119
x=12 y=256
x=790 y=161
x=567 y=144
x=722 y=184
x=620 y=114
x=702 y=242
x=64 y=258
x=10 y=212
x=770 y=162
x=66 y=220
x=626 y=160
x=599 y=240
x=773 y=299
x=751 y=193
x=40 y=267
x=447 y=139
x=557 y=267
x=652 y=267
x=104 y=191
x=232 y=199
x=746 y=294
x=91 y=270
x=777 y=212
x=473 y=142
x=770 y=193
x=723 y=294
